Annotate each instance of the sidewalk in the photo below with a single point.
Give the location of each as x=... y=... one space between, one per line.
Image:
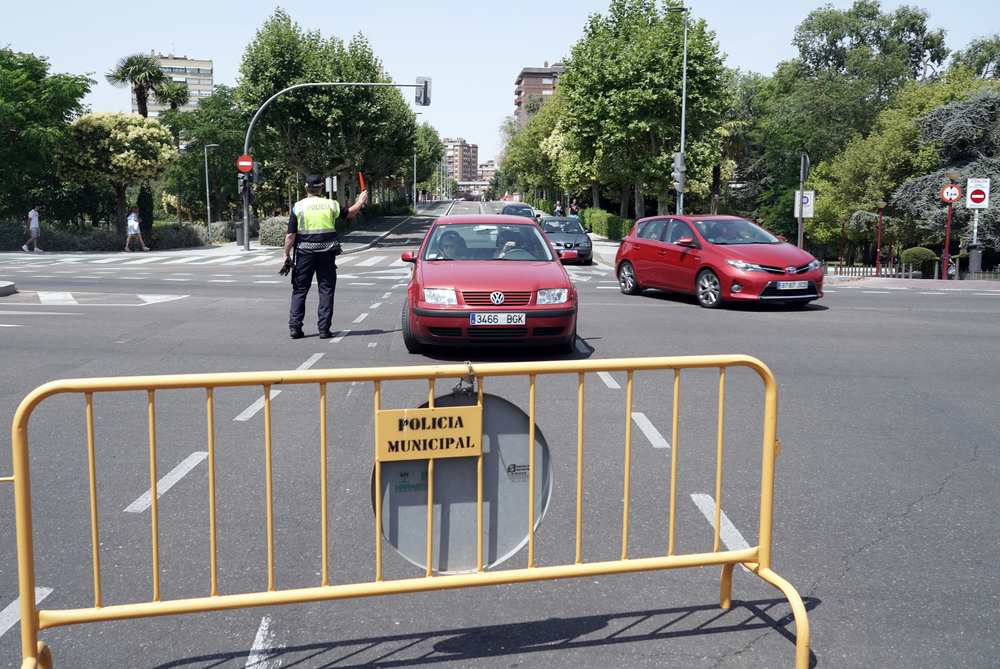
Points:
x=903 y=284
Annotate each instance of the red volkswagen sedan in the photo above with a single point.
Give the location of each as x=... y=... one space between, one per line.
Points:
x=488 y=280
x=716 y=258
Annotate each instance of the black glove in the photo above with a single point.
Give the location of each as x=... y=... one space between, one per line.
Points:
x=286 y=268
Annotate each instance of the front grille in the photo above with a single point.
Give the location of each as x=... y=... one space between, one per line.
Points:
x=498 y=333
x=445 y=332
x=781 y=270
x=510 y=299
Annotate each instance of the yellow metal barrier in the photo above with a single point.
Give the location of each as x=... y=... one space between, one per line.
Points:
x=756 y=558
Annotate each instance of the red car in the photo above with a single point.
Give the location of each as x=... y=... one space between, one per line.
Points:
x=716 y=258
x=488 y=280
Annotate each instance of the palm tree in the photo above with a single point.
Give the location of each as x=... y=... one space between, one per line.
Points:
x=142 y=73
x=172 y=93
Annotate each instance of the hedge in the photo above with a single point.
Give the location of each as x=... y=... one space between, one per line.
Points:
x=608 y=225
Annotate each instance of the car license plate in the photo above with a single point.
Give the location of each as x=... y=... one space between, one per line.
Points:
x=792 y=285
x=493 y=318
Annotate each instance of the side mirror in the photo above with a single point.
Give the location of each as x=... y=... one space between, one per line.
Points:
x=781 y=238
x=685 y=241
x=408 y=256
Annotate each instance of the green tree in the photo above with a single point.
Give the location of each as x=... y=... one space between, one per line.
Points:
x=329 y=130
x=172 y=94
x=121 y=149
x=140 y=73
x=35 y=109
x=982 y=55
x=623 y=97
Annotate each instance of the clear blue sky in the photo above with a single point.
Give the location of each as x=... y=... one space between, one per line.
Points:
x=473 y=51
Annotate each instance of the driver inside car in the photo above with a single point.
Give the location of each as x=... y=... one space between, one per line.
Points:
x=507 y=241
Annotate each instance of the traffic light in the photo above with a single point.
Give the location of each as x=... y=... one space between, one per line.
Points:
x=255 y=173
x=678 y=173
x=423 y=91
x=241 y=182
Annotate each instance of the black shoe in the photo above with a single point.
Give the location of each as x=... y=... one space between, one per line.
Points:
x=325 y=334
x=296 y=333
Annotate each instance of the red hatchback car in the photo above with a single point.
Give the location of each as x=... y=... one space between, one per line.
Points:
x=716 y=258
x=488 y=280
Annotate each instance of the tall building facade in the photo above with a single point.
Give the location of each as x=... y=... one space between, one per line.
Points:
x=197 y=75
x=461 y=159
x=535 y=82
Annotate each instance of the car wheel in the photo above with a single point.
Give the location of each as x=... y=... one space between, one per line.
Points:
x=567 y=347
x=411 y=343
x=626 y=279
x=588 y=261
x=708 y=290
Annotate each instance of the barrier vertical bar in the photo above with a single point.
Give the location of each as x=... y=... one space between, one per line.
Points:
x=531 y=470
x=378 y=492
x=674 y=421
x=579 y=470
x=430 y=516
x=154 y=510
x=324 y=531
x=718 y=459
x=767 y=466
x=212 y=526
x=92 y=465
x=628 y=463
x=25 y=540
x=479 y=491
x=269 y=487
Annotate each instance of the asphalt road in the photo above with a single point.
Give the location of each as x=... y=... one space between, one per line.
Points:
x=886 y=494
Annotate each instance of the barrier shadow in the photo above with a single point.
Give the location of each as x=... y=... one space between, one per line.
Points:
x=464 y=646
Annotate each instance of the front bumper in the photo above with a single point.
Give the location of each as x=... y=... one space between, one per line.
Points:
x=439 y=327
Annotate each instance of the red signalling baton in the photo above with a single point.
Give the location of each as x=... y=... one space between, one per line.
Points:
x=362 y=181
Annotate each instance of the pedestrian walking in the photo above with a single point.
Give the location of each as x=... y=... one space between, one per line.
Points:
x=574 y=209
x=557 y=211
x=34 y=231
x=312 y=234
x=133 y=229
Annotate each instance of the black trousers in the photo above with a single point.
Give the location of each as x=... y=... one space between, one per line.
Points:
x=323 y=266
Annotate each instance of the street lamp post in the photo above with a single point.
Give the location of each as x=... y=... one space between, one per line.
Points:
x=684 y=80
x=208 y=200
x=952 y=177
x=415 y=170
x=878 y=245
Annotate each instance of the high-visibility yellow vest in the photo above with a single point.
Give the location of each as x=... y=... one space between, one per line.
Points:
x=316 y=214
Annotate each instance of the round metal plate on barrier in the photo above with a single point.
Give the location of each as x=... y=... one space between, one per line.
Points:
x=506 y=477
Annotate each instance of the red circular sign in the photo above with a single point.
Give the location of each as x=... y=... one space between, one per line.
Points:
x=949 y=193
x=977 y=196
x=244 y=163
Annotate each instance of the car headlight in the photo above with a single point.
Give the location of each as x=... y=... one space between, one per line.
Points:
x=552 y=296
x=585 y=244
x=745 y=266
x=814 y=265
x=440 y=296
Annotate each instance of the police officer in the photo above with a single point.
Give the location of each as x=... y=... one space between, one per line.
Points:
x=311 y=229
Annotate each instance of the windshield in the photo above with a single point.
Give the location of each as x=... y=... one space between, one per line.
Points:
x=566 y=226
x=471 y=241
x=734 y=231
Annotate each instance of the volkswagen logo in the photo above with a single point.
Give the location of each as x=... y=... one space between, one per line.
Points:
x=789 y=270
x=496 y=297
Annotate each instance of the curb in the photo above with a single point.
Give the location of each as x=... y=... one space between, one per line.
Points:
x=7 y=288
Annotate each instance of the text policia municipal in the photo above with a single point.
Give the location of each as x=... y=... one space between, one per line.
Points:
x=431 y=443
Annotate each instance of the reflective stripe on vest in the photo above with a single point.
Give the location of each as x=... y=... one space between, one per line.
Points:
x=316 y=214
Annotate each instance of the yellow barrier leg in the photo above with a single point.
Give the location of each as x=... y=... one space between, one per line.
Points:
x=798 y=610
x=726 y=588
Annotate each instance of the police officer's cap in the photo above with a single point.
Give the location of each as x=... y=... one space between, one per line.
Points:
x=314 y=181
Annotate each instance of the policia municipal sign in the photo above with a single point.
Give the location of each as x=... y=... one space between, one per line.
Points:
x=417 y=434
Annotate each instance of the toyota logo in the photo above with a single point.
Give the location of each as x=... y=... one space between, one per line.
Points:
x=496 y=297
x=789 y=270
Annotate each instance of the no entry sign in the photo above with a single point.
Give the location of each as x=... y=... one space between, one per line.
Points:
x=978 y=191
x=244 y=163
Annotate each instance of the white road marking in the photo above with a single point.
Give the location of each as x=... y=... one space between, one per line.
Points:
x=654 y=436
x=340 y=335
x=728 y=534
x=368 y=262
x=251 y=410
x=11 y=613
x=56 y=298
x=609 y=381
x=177 y=261
x=262 y=647
x=376 y=305
x=39 y=313
x=360 y=318
x=387 y=296
x=154 y=299
x=167 y=482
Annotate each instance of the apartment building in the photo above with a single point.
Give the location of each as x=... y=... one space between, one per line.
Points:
x=197 y=75
x=487 y=170
x=535 y=82
x=461 y=159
